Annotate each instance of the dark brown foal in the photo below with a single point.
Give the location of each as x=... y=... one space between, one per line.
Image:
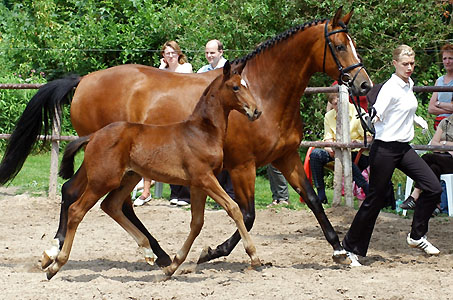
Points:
x=185 y=153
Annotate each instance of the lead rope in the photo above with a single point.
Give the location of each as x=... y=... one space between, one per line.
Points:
x=367 y=125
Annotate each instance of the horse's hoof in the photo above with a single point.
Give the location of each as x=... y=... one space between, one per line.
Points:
x=205 y=255
x=163 y=262
x=49 y=256
x=256 y=264
x=46 y=260
x=340 y=257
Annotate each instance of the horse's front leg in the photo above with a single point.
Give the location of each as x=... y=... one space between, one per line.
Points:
x=197 y=207
x=243 y=179
x=292 y=168
x=70 y=192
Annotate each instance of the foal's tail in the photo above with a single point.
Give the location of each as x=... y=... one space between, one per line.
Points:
x=67 y=163
x=41 y=110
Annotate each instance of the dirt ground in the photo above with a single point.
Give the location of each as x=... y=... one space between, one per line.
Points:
x=105 y=262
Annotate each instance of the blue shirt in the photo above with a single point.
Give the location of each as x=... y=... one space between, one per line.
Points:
x=446 y=97
x=208 y=67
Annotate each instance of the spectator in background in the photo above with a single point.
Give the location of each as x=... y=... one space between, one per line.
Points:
x=320 y=157
x=214 y=55
x=173 y=60
x=440 y=103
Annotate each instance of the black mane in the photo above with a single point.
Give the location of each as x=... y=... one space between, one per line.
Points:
x=277 y=39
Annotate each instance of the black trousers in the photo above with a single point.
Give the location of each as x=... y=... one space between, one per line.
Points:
x=384 y=158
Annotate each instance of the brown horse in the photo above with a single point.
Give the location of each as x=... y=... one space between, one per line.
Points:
x=186 y=153
x=277 y=73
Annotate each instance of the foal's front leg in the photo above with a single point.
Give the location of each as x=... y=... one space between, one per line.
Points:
x=244 y=188
x=197 y=206
x=216 y=192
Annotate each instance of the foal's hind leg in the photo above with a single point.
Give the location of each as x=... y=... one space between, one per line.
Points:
x=70 y=192
x=216 y=192
x=197 y=206
x=75 y=215
x=292 y=168
x=119 y=201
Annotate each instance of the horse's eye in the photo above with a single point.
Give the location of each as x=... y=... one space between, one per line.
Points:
x=235 y=88
x=340 y=48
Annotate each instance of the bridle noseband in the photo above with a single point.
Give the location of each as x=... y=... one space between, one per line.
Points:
x=344 y=78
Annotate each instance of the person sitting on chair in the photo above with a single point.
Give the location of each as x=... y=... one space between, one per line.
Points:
x=439 y=162
x=320 y=157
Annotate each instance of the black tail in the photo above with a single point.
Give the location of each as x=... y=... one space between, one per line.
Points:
x=67 y=163
x=39 y=111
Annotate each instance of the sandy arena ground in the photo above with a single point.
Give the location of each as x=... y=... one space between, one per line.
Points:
x=105 y=262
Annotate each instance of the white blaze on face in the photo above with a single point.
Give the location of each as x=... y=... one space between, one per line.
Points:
x=351 y=44
x=244 y=83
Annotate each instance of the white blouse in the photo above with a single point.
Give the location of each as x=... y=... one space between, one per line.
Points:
x=395 y=107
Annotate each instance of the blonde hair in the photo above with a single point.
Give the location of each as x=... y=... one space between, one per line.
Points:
x=174 y=45
x=402 y=50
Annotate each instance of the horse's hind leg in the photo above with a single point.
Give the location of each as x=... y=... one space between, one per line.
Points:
x=197 y=206
x=76 y=213
x=292 y=168
x=70 y=192
x=163 y=259
x=244 y=190
x=118 y=206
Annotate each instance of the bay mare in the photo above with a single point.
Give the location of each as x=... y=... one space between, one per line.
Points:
x=277 y=73
x=187 y=153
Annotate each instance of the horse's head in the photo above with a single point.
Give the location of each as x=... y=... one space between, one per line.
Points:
x=237 y=92
x=341 y=60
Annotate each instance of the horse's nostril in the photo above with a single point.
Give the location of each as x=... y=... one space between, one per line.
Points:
x=365 y=86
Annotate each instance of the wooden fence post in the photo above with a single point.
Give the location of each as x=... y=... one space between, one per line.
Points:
x=56 y=131
x=343 y=164
x=346 y=152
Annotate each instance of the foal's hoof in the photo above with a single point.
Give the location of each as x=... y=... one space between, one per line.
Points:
x=168 y=271
x=50 y=273
x=340 y=257
x=205 y=255
x=256 y=264
x=46 y=260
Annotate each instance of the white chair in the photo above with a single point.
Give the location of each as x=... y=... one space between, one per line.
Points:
x=448 y=178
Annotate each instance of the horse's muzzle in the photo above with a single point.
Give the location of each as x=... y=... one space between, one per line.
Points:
x=253 y=115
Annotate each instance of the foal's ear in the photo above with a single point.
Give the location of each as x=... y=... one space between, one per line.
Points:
x=336 y=18
x=227 y=70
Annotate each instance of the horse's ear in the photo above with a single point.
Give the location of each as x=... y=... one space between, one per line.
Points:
x=336 y=18
x=226 y=70
x=347 y=17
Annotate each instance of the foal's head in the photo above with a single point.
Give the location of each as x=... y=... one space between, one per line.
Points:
x=235 y=92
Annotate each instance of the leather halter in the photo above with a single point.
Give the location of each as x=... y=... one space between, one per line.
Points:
x=344 y=78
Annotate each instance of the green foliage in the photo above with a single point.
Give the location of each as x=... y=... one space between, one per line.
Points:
x=57 y=37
